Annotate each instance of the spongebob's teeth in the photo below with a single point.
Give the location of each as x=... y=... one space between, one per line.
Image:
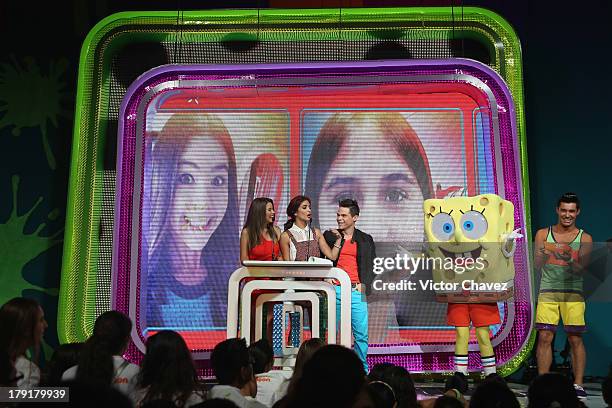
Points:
x=467 y=254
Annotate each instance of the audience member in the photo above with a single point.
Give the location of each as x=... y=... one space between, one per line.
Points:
x=64 y=357
x=270 y=383
x=8 y=374
x=91 y=396
x=333 y=377
x=383 y=394
x=23 y=325
x=234 y=371
x=168 y=372
x=457 y=382
x=366 y=398
x=216 y=403
x=305 y=353
x=492 y=392
x=446 y=401
x=262 y=355
x=400 y=381
x=101 y=362
x=552 y=390
x=158 y=403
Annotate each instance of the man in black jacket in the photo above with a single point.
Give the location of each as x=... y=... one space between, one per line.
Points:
x=356 y=258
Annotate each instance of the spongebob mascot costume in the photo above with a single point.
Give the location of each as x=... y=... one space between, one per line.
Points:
x=473 y=241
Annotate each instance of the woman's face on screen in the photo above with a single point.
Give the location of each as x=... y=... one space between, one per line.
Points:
x=370 y=170
x=200 y=192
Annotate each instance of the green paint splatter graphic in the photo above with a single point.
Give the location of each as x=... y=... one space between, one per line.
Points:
x=29 y=98
x=18 y=248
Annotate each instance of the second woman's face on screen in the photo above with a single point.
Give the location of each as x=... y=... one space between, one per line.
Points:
x=370 y=170
x=200 y=192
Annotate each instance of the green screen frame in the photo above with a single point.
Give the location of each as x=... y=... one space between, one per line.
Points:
x=77 y=304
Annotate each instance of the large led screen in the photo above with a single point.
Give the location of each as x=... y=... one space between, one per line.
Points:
x=198 y=143
x=201 y=170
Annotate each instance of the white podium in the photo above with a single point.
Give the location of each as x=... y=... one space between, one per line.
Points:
x=288 y=277
x=311 y=297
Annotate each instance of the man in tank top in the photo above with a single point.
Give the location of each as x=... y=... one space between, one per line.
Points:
x=561 y=254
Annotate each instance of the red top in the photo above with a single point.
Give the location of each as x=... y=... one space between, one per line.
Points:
x=348 y=260
x=265 y=251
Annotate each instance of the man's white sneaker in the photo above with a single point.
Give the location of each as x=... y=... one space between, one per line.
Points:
x=582 y=395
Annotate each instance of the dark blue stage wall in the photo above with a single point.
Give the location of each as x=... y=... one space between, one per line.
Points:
x=567 y=109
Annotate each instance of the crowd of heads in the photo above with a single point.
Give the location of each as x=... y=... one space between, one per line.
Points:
x=323 y=376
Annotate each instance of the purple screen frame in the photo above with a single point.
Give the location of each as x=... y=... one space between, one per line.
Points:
x=424 y=71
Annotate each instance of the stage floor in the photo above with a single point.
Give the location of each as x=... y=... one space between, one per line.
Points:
x=434 y=389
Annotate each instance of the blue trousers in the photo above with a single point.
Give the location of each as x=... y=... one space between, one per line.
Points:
x=359 y=322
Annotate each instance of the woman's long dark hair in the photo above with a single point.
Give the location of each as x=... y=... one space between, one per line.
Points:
x=167 y=371
x=64 y=357
x=110 y=336
x=399 y=379
x=305 y=353
x=292 y=208
x=256 y=222
x=18 y=320
x=552 y=390
x=222 y=246
x=332 y=136
x=332 y=377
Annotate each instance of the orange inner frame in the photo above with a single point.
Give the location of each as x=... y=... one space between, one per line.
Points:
x=295 y=101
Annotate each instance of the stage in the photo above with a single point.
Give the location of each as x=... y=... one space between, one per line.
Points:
x=434 y=389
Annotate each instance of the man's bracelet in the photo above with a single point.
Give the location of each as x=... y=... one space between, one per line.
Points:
x=337 y=246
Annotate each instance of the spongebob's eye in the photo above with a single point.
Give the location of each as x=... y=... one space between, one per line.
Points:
x=442 y=226
x=474 y=225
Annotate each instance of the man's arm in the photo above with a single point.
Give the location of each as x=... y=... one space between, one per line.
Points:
x=372 y=254
x=584 y=254
x=540 y=254
x=329 y=251
x=330 y=239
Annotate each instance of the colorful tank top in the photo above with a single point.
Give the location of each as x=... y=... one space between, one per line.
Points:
x=558 y=280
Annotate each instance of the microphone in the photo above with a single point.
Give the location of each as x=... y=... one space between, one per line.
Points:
x=308 y=245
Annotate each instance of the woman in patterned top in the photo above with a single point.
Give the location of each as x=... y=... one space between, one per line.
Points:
x=300 y=241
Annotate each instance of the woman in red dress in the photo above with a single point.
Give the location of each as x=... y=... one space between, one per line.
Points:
x=259 y=239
